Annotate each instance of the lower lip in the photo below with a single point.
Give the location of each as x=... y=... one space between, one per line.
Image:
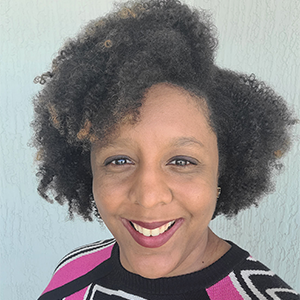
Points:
x=152 y=241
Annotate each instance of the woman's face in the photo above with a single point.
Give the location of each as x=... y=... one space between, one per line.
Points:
x=155 y=185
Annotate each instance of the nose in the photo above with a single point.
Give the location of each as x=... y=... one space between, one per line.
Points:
x=150 y=188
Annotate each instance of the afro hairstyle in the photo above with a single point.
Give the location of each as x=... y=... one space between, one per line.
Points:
x=100 y=77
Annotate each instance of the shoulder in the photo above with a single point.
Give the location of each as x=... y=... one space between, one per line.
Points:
x=79 y=262
x=250 y=279
x=255 y=279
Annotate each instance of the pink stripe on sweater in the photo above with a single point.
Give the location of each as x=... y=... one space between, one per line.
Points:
x=77 y=268
x=77 y=296
x=224 y=290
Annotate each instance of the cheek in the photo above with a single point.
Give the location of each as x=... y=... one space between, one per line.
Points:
x=108 y=195
x=101 y=196
x=202 y=199
x=198 y=197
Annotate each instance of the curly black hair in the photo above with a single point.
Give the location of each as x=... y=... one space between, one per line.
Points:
x=101 y=76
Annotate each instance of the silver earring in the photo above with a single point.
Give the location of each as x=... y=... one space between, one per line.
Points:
x=95 y=211
x=218 y=192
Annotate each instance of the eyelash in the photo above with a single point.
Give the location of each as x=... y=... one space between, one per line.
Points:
x=186 y=161
x=113 y=161
x=176 y=161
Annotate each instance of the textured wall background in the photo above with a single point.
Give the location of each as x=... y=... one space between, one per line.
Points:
x=261 y=37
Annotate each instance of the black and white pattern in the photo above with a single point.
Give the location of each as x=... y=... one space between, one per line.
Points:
x=258 y=282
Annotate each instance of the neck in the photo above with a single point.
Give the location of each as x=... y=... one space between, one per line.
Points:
x=215 y=249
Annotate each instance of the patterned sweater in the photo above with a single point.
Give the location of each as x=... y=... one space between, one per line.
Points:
x=94 y=272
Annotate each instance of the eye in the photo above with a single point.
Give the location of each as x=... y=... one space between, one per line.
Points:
x=118 y=161
x=182 y=161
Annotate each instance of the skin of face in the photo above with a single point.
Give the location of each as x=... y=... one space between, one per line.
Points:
x=163 y=168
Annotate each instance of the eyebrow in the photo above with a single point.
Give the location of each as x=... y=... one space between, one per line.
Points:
x=185 y=141
x=176 y=142
x=115 y=144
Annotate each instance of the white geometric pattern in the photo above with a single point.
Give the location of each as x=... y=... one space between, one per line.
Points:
x=119 y=293
x=246 y=276
x=272 y=292
x=238 y=287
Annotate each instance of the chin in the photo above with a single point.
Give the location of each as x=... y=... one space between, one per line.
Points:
x=152 y=265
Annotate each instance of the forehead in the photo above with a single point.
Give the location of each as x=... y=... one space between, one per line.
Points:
x=165 y=96
x=168 y=112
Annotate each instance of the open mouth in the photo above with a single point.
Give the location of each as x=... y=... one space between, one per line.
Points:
x=152 y=232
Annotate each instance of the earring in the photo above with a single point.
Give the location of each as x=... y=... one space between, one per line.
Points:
x=95 y=210
x=218 y=192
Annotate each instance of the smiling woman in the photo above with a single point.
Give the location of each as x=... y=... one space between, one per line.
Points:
x=158 y=189
x=138 y=125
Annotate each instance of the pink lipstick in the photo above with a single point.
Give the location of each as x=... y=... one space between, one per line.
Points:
x=152 y=235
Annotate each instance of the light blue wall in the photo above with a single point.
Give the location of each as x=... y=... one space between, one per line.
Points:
x=262 y=37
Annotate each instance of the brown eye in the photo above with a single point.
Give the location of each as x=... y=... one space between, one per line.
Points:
x=118 y=161
x=182 y=162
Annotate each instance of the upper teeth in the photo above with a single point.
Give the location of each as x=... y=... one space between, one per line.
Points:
x=153 y=232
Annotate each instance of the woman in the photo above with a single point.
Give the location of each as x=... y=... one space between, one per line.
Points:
x=139 y=126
